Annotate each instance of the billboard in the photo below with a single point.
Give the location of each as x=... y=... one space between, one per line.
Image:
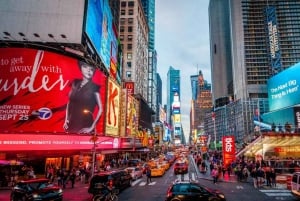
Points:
x=283 y=89
x=42 y=21
x=99 y=29
x=112 y=109
x=275 y=53
x=130 y=87
x=228 y=146
x=42 y=91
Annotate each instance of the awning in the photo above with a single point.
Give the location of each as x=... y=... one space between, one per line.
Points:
x=270 y=142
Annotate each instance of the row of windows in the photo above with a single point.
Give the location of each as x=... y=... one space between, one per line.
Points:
x=129 y=37
x=129 y=29
x=123 y=21
x=130 y=12
x=130 y=4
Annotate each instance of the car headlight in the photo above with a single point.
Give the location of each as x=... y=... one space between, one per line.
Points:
x=221 y=196
x=60 y=191
x=35 y=195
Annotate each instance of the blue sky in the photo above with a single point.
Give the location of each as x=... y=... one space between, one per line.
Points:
x=182 y=41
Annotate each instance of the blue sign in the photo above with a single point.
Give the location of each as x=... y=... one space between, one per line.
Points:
x=283 y=89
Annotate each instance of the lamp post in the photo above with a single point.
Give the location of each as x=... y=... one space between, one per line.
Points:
x=94 y=138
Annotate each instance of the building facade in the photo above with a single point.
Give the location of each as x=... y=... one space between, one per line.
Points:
x=133 y=32
x=263 y=39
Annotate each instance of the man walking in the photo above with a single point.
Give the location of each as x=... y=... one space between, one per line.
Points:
x=148 y=174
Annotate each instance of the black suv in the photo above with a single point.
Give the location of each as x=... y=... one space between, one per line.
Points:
x=118 y=179
x=191 y=190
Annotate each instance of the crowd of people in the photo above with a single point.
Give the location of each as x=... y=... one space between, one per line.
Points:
x=258 y=172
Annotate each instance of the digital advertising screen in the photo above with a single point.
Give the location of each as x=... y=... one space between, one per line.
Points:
x=112 y=108
x=42 y=91
x=283 y=88
x=99 y=29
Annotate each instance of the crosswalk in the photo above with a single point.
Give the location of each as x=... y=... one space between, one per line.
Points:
x=277 y=194
x=185 y=177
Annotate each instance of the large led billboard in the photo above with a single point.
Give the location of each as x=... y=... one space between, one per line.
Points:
x=283 y=89
x=45 y=92
x=99 y=29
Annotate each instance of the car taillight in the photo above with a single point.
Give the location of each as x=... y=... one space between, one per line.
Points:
x=169 y=194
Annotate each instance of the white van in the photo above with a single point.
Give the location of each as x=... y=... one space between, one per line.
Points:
x=295 y=184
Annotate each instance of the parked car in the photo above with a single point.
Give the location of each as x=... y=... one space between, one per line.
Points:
x=295 y=184
x=36 y=189
x=190 y=190
x=117 y=179
x=135 y=172
x=181 y=168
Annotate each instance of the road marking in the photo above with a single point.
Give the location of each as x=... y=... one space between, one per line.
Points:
x=152 y=183
x=193 y=176
x=143 y=183
x=277 y=193
x=239 y=187
x=135 y=182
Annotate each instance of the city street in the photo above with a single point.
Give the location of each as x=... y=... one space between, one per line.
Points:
x=156 y=190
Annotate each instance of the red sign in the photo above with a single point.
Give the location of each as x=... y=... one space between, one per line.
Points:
x=130 y=87
x=228 y=150
x=42 y=91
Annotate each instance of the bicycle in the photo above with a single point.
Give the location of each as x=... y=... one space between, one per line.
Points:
x=106 y=193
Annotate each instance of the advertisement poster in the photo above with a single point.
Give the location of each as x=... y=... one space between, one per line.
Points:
x=42 y=91
x=228 y=150
x=113 y=108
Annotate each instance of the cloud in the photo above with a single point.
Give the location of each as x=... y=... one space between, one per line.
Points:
x=182 y=41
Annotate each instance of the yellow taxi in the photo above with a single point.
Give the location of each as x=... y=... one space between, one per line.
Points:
x=157 y=171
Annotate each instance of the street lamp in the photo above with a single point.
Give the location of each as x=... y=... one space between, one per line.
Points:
x=94 y=138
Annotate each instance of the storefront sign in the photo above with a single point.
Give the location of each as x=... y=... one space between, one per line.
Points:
x=228 y=149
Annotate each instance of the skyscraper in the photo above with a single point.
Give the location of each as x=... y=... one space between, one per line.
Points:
x=149 y=10
x=173 y=102
x=255 y=39
x=251 y=40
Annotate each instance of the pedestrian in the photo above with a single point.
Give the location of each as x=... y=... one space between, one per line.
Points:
x=148 y=174
x=65 y=178
x=59 y=176
x=273 y=177
x=214 y=174
x=253 y=174
x=73 y=177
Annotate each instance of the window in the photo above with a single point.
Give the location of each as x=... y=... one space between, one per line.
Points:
x=123 y=12
x=121 y=28
x=129 y=55
x=122 y=21
x=131 y=4
x=130 y=12
x=128 y=74
x=129 y=38
x=129 y=64
x=121 y=37
x=123 y=4
x=129 y=46
x=130 y=29
x=130 y=20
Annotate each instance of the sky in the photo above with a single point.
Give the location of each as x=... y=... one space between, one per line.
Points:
x=182 y=41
